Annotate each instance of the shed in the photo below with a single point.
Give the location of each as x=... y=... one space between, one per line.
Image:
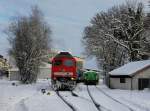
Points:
x=133 y=75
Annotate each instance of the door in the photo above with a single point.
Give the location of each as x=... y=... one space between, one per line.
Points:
x=143 y=83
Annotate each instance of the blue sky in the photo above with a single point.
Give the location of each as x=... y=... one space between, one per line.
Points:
x=67 y=19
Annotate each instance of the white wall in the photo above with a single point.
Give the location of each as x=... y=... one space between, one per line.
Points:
x=14 y=74
x=115 y=83
x=43 y=74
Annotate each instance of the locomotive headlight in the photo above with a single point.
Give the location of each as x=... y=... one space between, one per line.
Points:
x=72 y=78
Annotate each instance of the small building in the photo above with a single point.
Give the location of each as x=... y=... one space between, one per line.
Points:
x=133 y=76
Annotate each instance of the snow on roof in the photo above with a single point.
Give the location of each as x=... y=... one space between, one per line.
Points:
x=130 y=68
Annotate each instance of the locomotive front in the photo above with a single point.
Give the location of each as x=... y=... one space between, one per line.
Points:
x=63 y=73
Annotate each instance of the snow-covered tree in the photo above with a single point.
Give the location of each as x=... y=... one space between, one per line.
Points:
x=147 y=35
x=117 y=36
x=30 y=39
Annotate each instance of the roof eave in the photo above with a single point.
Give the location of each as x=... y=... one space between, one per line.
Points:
x=120 y=76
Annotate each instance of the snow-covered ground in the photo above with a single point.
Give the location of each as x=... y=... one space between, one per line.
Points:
x=29 y=98
x=103 y=100
x=137 y=100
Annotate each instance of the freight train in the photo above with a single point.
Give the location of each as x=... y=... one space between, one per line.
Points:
x=64 y=71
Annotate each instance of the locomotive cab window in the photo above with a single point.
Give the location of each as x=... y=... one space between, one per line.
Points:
x=69 y=63
x=57 y=62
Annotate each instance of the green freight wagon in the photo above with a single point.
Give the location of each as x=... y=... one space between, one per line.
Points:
x=91 y=77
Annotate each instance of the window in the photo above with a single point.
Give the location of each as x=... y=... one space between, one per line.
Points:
x=57 y=62
x=68 y=63
x=122 y=80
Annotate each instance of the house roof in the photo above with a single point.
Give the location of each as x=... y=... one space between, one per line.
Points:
x=130 y=68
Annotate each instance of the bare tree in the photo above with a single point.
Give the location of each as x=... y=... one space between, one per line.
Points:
x=30 y=39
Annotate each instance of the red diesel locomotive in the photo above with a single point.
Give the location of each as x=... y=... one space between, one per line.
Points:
x=64 y=71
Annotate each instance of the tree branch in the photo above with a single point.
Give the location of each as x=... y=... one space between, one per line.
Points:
x=117 y=41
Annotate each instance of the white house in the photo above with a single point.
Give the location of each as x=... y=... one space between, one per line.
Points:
x=133 y=75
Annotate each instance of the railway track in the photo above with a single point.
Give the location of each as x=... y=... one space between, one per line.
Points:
x=62 y=96
x=97 y=105
x=65 y=101
x=76 y=95
x=114 y=99
x=78 y=107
